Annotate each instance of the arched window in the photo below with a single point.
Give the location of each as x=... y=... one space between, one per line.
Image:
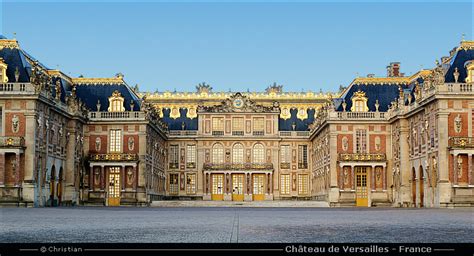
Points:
x=218 y=154
x=238 y=153
x=116 y=102
x=359 y=102
x=258 y=153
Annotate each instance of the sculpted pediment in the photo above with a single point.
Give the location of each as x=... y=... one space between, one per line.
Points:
x=240 y=103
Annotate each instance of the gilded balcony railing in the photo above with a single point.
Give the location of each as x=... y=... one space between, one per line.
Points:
x=461 y=142
x=6 y=141
x=284 y=165
x=244 y=166
x=362 y=157
x=114 y=157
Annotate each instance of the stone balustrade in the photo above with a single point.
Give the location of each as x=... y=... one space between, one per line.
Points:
x=239 y=166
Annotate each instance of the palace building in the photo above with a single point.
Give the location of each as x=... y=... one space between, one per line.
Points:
x=402 y=141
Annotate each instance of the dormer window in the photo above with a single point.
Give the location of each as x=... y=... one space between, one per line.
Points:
x=359 y=102
x=3 y=71
x=470 y=71
x=116 y=102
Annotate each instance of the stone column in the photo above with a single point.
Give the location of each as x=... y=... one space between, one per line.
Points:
x=455 y=168
x=405 y=171
x=372 y=178
x=469 y=169
x=102 y=177
x=353 y=179
x=384 y=178
x=2 y=168
x=91 y=177
x=135 y=175
x=444 y=186
x=341 y=177
x=17 y=169
x=123 y=174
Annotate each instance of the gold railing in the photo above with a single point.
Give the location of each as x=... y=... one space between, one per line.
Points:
x=244 y=166
x=362 y=157
x=114 y=157
x=284 y=165
x=12 y=141
x=461 y=142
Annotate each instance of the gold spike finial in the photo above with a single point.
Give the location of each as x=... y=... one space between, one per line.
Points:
x=463 y=37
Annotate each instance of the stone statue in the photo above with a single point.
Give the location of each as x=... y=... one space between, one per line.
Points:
x=58 y=89
x=17 y=74
x=377 y=105
x=456 y=74
x=98 y=105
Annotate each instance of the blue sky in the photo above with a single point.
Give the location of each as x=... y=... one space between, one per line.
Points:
x=236 y=45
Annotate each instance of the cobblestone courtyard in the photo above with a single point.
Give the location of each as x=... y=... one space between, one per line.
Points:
x=91 y=224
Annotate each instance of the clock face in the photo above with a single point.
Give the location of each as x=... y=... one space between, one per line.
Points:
x=238 y=103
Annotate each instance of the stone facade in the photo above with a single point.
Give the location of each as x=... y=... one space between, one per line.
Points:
x=381 y=141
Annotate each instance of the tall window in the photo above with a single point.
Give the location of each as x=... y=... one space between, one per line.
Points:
x=303 y=156
x=303 y=184
x=217 y=126
x=218 y=154
x=191 y=156
x=238 y=154
x=285 y=184
x=238 y=126
x=359 y=106
x=115 y=140
x=174 y=156
x=258 y=153
x=191 y=183
x=258 y=126
x=361 y=141
x=174 y=183
x=1 y=120
x=285 y=157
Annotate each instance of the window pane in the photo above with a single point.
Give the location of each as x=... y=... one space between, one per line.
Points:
x=218 y=154
x=258 y=154
x=238 y=153
x=285 y=184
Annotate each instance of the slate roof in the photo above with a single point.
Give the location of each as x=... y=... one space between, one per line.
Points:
x=175 y=124
x=384 y=93
x=301 y=125
x=89 y=94
x=460 y=58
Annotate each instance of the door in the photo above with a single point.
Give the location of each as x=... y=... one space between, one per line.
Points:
x=114 y=186
x=258 y=187
x=362 y=194
x=217 y=187
x=237 y=187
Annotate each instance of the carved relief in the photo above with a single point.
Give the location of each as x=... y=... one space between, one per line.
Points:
x=458 y=124
x=377 y=143
x=98 y=144
x=346 y=176
x=15 y=124
x=96 y=176
x=130 y=176
x=174 y=113
x=131 y=143
x=459 y=167
x=345 y=143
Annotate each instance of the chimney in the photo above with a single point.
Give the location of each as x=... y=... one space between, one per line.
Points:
x=393 y=70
